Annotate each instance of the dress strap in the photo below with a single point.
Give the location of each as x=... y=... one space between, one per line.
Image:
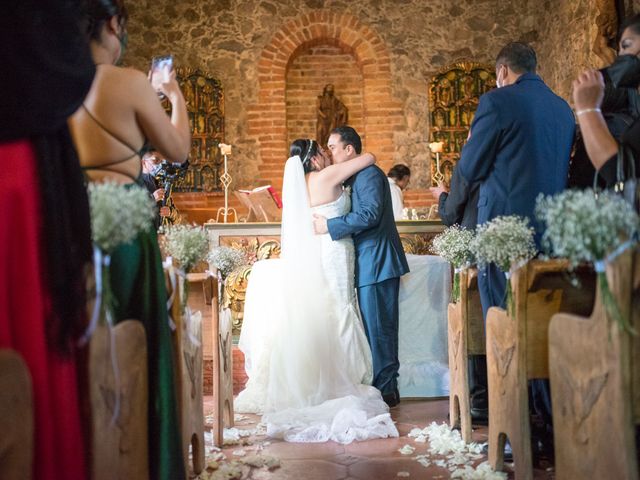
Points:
x=110 y=132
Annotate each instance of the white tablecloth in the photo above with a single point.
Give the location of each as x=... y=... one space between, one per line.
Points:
x=424 y=296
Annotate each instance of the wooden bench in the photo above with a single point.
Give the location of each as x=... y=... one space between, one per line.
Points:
x=595 y=383
x=466 y=337
x=16 y=420
x=517 y=351
x=189 y=370
x=120 y=442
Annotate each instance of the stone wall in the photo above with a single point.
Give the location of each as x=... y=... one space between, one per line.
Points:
x=259 y=49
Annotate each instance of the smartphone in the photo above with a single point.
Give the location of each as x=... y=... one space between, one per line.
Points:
x=160 y=70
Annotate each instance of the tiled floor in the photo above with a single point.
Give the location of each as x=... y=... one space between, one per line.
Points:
x=370 y=460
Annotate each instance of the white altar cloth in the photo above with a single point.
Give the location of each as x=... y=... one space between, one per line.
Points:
x=424 y=297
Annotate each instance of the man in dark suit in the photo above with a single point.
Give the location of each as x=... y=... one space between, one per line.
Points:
x=459 y=206
x=520 y=147
x=380 y=258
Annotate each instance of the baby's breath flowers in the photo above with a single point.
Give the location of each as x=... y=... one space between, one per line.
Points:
x=227 y=259
x=583 y=227
x=118 y=214
x=187 y=245
x=506 y=241
x=453 y=244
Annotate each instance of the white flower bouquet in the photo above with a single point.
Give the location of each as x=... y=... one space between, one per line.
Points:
x=187 y=245
x=227 y=259
x=119 y=214
x=506 y=241
x=454 y=245
x=583 y=227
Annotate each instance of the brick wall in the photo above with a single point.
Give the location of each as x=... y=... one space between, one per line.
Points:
x=308 y=73
x=267 y=119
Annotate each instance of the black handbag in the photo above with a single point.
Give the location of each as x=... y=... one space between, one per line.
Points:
x=626 y=183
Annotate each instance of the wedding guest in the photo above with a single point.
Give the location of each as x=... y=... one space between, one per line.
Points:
x=45 y=238
x=588 y=93
x=459 y=206
x=150 y=165
x=118 y=116
x=399 y=177
x=520 y=147
x=620 y=106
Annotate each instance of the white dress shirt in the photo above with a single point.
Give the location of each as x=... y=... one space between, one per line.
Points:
x=397 y=200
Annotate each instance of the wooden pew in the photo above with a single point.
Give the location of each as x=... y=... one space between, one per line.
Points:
x=16 y=420
x=466 y=337
x=517 y=351
x=119 y=448
x=595 y=383
x=189 y=371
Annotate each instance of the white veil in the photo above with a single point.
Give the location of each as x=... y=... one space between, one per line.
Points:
x=297 y=366
x=306 y=357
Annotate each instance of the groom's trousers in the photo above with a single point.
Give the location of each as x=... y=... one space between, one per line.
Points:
x=379 y=308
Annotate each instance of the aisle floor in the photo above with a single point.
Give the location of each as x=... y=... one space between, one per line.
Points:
x=369 y=460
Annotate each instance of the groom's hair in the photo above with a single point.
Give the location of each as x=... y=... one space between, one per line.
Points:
x=349 y=136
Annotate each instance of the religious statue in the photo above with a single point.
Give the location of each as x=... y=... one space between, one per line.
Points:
x=331 y=112
x=445 y=93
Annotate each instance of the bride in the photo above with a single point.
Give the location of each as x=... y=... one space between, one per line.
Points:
x=306 y=353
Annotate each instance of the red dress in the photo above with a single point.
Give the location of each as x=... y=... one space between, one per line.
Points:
x=59 y=450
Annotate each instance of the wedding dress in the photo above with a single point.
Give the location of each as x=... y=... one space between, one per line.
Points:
x=306 y=353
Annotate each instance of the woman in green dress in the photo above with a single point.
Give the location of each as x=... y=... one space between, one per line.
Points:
x=119 y=116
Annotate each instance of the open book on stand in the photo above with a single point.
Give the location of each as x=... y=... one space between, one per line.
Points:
x=264 y=204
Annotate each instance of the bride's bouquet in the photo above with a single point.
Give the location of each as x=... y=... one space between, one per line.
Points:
x=584 y=227
x=506 y=241
x=112 y=226
x=454 y=245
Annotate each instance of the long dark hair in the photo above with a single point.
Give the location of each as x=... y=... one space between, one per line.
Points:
x=99 y=12
x=306 y=149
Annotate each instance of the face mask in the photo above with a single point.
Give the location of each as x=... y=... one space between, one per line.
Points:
x=156 y=169
x=499 y=80
x=124 y=40
x=625 y=72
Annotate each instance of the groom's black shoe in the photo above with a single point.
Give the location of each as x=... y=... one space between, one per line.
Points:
x=392 y=399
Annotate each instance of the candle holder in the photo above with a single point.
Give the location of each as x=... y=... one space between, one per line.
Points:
x=436 y=147
x=226 y=180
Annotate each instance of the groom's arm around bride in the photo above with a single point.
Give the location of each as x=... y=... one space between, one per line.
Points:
x=380 y=258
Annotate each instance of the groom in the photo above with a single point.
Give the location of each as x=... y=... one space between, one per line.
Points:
x=380 y=259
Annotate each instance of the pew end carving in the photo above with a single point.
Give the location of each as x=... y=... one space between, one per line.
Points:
x=16 y=396
x=517 y=351
x=595 y=382
x=120 y=447
x=466 y=337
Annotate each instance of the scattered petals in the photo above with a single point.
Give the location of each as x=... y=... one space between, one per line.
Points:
x=407 y=450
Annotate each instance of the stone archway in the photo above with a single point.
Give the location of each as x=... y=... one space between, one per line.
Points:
x=267 y=118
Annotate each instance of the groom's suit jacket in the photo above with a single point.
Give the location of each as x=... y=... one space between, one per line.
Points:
x=379 y=252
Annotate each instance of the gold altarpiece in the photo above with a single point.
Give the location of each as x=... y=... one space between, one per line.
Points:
x=454 y=92
x=261 y=241
x=205 y=106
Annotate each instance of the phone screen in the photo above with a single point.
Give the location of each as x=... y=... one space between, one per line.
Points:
x=160 y=69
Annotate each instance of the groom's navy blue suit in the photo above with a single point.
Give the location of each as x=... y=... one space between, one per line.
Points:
x=380 y=261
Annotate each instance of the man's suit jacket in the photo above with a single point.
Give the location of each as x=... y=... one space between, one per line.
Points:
x=520 y=147
x=379 y=252
x=460 y=205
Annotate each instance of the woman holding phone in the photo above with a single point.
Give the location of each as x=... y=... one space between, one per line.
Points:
x=120 y=115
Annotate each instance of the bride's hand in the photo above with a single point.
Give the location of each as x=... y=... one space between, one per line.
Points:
x=320 y=224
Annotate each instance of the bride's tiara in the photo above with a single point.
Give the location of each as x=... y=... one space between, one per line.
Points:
x=307 y=156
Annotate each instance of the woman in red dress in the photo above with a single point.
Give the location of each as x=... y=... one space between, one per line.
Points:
x=45 y=237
